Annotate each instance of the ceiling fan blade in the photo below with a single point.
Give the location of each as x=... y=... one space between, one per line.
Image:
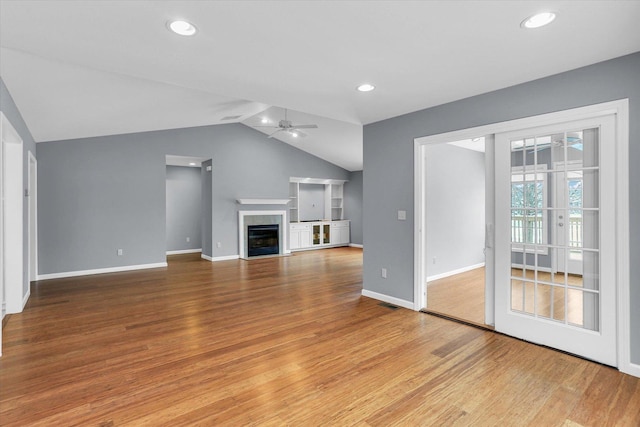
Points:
x=272 y=127
x=271 y=135
x=305 y=126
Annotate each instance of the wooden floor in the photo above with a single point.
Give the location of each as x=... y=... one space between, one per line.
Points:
x=279 y=341
x=460 y=296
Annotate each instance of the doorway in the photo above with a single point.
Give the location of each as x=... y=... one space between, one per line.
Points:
x=455 y=221
x=610 y=229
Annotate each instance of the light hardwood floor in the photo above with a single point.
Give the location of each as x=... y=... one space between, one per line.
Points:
x=460 y=296
x=279 y=341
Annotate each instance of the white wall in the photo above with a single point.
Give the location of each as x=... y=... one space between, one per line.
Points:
x=455 y=208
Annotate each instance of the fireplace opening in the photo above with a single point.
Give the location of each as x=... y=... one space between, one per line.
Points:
x=263 y=240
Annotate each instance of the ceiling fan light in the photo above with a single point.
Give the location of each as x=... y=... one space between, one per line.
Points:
x=294 y=134
x=182 y=28
x=365 y=87
x=538 y=20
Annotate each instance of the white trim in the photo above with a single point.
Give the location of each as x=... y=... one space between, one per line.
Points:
x=454 y=272
x=13 y=215
x=355 y=245
x=316 y=180
x=619 y=108
x=632 y=369
x=25 y=300
x=221 y=258
x=100 y=271
x=262 y=201
x=184 y=251
x=386 y=298
x=207 y=257
x=623 y=256
x=32 y=234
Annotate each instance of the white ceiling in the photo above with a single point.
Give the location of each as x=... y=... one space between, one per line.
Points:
x=89 y=68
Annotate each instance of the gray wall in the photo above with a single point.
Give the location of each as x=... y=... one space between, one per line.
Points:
x=388 y=160
x=311 y=202
x=100 y=194
x=184 y=208
x=455 y=208
x=8 y=107
x=353 y=205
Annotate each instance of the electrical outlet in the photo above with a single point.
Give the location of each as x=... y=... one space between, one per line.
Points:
x=219 y=244
x=434 y=260
x=383 y=273
x=120 y=252
x=402 y=215
x=188 y=239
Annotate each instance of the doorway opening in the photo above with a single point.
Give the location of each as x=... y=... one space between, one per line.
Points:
x=188 y=192
x=455 y=223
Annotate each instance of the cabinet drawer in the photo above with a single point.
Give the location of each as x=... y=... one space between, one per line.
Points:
x=300 y=227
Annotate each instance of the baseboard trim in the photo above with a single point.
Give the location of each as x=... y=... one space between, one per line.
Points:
x=454 y=272
x=100 y=271
x=355 y=245
x=184 y=251
x=389 y=299
x=25 y=300
x=220 y=258
x=631 y=369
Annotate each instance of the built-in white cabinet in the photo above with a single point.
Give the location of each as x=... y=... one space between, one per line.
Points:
x=340 y=232
x=329 y=206
x=299 y=235
x=318 y=234
x=316 y=214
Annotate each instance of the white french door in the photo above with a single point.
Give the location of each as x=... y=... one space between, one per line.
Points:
x=555 y=236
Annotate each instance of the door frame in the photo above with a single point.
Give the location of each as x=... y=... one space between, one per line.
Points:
x=620 y=109
x=13 y=217
x=32 y=218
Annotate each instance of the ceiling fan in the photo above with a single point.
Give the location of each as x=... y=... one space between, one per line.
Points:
x=286 y=126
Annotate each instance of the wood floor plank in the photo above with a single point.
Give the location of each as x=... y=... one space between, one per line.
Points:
x=278 y=341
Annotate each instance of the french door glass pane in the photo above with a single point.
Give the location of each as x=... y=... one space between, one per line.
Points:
x=555 y=226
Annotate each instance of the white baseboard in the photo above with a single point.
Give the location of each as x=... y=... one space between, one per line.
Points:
x=454 y=272
x=100 y=271
x=355 y=245
x=184 y=251
x=631 y=369
x=386 y=298
x=26 y=297
x=220 y=258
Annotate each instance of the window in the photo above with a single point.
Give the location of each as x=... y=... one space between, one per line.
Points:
x=529 y=206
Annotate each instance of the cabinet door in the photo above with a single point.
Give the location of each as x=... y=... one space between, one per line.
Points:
x=316 y=234
x=326 y=234
x=294 y=239
x=305 y=238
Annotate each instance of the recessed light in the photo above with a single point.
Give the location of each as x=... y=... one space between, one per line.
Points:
x=264 y=120
x=366 y=87
x=538 y=20
x=183 y=28
x=294 y=134
x=192 y=163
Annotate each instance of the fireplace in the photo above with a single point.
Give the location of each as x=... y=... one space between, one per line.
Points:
x=263 y=239
x=270 y=218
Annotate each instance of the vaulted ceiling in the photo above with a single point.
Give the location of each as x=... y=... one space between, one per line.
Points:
x=89 y=68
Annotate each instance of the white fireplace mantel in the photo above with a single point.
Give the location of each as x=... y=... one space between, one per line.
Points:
x=262 y=201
